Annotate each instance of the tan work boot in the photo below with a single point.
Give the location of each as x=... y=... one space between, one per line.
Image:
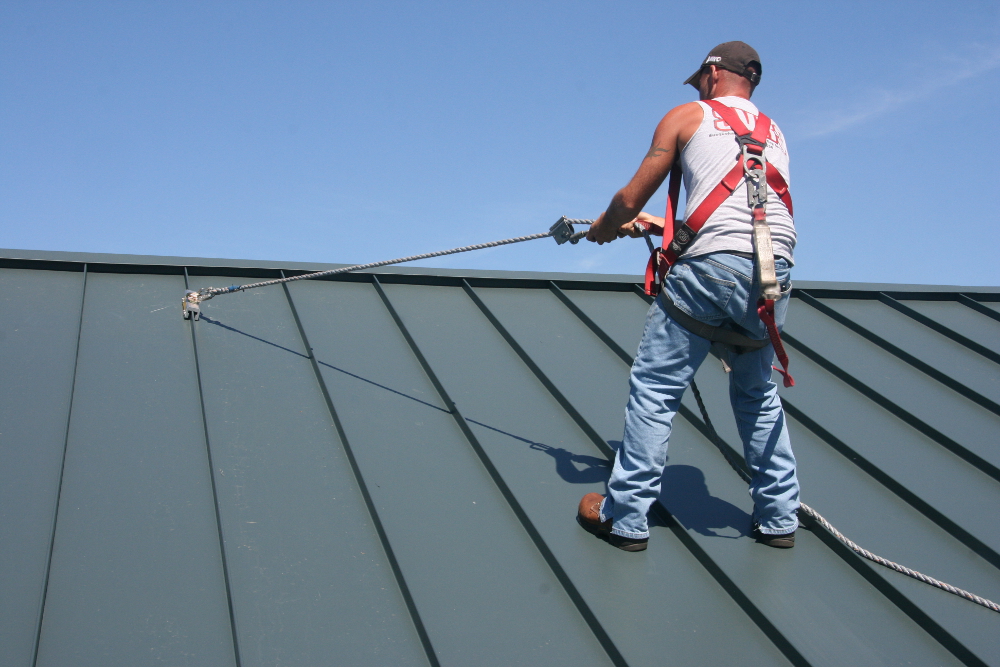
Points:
x=589 y=517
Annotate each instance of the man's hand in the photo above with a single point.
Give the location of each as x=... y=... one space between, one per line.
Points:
x=600 y=232
x=633 y=228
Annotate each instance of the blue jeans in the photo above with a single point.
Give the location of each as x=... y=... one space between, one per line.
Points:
x=717 y=289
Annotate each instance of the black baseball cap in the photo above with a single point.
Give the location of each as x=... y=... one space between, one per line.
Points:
x=732 y=56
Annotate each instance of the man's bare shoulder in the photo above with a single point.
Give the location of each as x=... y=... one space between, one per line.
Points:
x=679 y=125
x=684 y=114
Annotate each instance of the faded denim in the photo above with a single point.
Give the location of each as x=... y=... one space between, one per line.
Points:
x=717 y=289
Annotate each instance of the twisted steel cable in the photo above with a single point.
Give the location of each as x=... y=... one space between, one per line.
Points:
x=209 y=292
x=818 y=518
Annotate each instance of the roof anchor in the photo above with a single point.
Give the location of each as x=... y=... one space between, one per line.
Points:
x=189 y=305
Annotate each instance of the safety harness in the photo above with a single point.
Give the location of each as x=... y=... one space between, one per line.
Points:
x=751 y=166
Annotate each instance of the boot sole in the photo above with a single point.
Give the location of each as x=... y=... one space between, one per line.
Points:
x=776 y=541
x=778 y=544
x=617 y=541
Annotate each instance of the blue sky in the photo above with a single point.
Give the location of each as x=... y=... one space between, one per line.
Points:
x=336 y=132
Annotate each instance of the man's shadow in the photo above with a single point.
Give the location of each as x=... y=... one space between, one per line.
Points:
x=577 y=468
x=686 y=495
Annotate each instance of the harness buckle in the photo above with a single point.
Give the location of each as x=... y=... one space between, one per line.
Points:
x=755 y=169
x=748 y=143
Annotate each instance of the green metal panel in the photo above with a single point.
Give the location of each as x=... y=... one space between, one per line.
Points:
x=136 y=570
x=873 y=515
x=961 y=319
x=953 y=415
x=477 y=579
x=799 y=589
x=39 y=323
x=951 y=485
x=619 y=315
x=309 y=575
x=946 y=355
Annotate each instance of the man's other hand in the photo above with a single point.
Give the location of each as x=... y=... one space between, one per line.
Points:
x=633 y=228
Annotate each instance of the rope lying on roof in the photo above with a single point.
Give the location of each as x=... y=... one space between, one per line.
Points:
x=562 y=231
x=816 y=516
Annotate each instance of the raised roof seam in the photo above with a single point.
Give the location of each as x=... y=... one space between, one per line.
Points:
x=905 y=416
x=898 y=489
x=537 y=372
x=936 y=326
x=62 y=469
x=233 y=627
x=969 y=302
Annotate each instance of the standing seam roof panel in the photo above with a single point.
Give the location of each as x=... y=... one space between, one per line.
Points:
x=947 y=356
x=879 y=520
x=136 y=570
x=309 y=575
x=935 y=404
x=39 y=331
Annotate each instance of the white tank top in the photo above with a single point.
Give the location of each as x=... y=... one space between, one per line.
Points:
x=707 y=158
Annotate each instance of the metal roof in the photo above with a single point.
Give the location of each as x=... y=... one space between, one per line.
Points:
x=383 y=469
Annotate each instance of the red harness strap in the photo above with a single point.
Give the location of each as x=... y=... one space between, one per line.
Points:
x=657 y=266
x=675 y=242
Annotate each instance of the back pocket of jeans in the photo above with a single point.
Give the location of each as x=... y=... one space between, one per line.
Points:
x=702 y=296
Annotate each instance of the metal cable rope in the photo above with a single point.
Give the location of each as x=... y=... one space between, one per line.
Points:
x=864 y=553
x=557 y=230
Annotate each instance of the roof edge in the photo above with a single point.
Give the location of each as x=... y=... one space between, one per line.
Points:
x=60 y=260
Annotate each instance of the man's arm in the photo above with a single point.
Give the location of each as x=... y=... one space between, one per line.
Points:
x=671 y=135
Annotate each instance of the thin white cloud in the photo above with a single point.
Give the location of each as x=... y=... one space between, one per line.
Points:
x=959 y=69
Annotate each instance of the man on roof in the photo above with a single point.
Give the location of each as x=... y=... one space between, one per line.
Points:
x=718 y=279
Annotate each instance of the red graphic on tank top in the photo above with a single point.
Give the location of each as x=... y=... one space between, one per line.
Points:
x=749 y=119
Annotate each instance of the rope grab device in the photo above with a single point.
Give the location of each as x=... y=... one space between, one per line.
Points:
x=561 y=231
